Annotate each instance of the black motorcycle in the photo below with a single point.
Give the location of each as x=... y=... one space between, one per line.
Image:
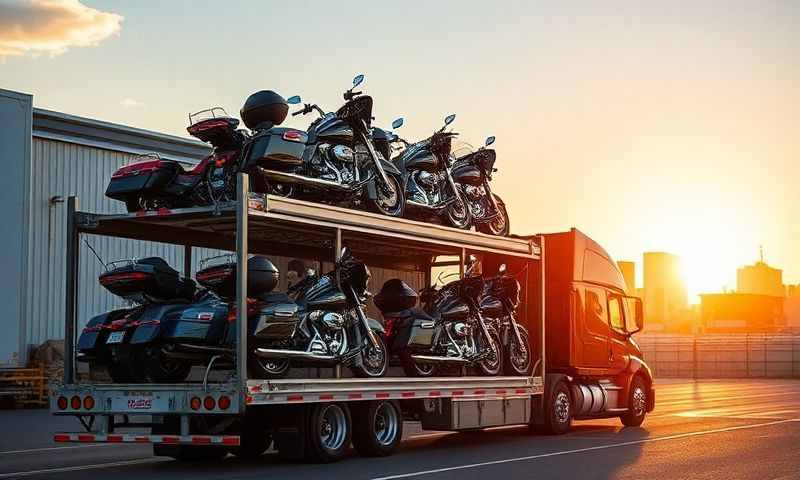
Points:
x=498 y=306
x=448 y=331
x=472 y=172
x=431 y=188
x=325 y=324
x=119 y=340
x=335 y=161
x=151 y=183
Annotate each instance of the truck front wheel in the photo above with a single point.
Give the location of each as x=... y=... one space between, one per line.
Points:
x=637 y=403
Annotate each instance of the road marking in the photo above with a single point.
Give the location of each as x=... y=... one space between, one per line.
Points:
x=60 y=448
x=587 y=449
x=83 y=467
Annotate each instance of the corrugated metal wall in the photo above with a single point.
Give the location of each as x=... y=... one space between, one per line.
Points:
x=61 y=169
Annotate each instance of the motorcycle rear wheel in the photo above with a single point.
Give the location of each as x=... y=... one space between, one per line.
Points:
x=160 y=369
x=267 y=368
x=414 y=369
x=390 y=203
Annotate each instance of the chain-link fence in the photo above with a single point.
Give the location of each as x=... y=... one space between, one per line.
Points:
x=717 y=356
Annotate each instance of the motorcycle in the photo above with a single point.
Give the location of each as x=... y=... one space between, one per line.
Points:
x=449 y=330
x=325 y=324
x=430 y=185
x=151 y=182
x=498 y=305
x=115 y=339
x=335 y=161
x=472 y=172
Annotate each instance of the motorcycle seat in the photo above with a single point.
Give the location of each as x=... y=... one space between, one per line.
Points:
x=275 y=297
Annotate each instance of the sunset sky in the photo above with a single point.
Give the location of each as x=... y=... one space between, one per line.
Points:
x=671 y=127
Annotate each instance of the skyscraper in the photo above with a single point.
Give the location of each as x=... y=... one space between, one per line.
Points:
x=760 y=279
x=665 y=294
x=628 y=270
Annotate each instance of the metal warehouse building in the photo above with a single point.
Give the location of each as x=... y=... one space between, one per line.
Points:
x=46 y=157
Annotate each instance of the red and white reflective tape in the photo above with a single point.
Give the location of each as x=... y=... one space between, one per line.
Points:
x=257 y=397
x=227 y=440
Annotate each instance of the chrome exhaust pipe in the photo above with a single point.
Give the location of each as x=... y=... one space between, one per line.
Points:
x=295 y=355
x=295 y=179
x=435 y=359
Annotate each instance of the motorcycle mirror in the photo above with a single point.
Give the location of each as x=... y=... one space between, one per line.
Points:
x=489 y=140
x=397 y=123
x=311 y=273
x=502 y=269
x=344 y=253
x=293 y=100
x=449 y=119
x=358 y=79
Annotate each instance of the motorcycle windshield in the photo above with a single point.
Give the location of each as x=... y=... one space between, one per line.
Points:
x=461 y=149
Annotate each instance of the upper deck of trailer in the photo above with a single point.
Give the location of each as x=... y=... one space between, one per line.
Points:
x=280 y=225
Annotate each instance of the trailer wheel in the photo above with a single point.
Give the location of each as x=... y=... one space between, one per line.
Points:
x=558 y=410
x=329 y=432
x=637 y=403
x=378 y=428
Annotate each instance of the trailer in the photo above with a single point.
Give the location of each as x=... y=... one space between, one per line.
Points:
x=312 y=418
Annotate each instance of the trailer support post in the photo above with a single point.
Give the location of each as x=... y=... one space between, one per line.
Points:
x=187 y=261
x=242 y=189
x=71 y=284
x=337 y=254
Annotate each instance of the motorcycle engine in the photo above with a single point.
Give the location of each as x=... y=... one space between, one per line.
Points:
x=474 y=193
x=334 y=163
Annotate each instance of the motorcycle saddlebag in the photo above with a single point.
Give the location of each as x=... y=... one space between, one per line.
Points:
x=218 y=274
x=142 y=178
x=395 y=296
x=146 y=279
x=414 y=330
x=203 y=324
x=277 y=148
x=277 y=321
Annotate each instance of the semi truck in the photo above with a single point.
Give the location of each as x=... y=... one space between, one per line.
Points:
x=574 y=305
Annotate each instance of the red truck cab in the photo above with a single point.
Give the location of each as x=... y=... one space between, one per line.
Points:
x=594 y=367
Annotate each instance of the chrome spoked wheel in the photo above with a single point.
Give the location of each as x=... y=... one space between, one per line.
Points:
x=385 y=424
x=332 y=429
x=458 y=213
x=519 y=354
x=492 y=364
x=374 y=361
x=390 y=199
x=273 y=367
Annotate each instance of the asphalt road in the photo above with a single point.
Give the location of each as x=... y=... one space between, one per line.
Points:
x=700 y=430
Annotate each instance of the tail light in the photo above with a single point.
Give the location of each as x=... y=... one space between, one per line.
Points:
x=62 y=403
x=75 y=402
x=224 y=402
x=195 y=403
x=123 y=277
x=137 y=168
x=209 y=403
x=293 y=136
x=88 y=402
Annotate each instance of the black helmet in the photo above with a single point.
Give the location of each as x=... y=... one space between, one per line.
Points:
x=264 y=109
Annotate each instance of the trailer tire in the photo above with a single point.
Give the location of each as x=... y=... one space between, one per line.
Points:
x=378 y=428
x=637 y=403
x=328 y=432
x=557 y=410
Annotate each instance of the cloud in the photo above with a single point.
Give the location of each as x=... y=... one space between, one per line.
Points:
x=130 y=103
x=52 y=26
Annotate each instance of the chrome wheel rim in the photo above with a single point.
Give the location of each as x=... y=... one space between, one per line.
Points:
x=520 y=356
x=388 y=198
x=424 y=369
x=332 y=427
x=274 y=366
x=498 y=224
x=562 y=407
x=375 y=358
x=491 y=364
x=386 y=424
x=638 y=401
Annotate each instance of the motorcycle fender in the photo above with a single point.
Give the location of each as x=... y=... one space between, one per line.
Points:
x=376 y=325
x=390 y=167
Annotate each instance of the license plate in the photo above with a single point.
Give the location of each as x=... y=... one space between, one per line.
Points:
x=116 y=337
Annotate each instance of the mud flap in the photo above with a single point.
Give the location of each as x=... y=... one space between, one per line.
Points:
x=289 y=431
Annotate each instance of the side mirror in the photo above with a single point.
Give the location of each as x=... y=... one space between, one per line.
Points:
x=502 y=269
x=311 y=273
x=397 y=123
x=293 y=100
x=636 y=310
x=358 y=79
x=489 y=140
x=449 y=119
x=344 y=253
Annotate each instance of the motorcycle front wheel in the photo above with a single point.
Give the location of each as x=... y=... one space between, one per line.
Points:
x=390 y=199
x=492 y=364
x=518 y=357
x=458 y=213
x=374 y=362
x=500 y=225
